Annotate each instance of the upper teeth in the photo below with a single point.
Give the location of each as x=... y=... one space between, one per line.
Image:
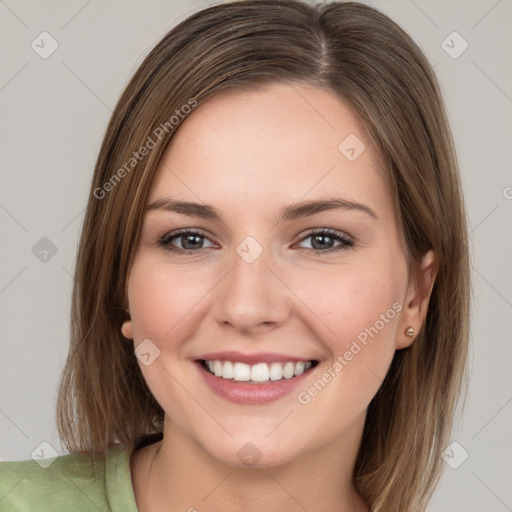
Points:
x=260 y=372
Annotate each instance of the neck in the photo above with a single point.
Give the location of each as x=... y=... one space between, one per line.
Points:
x=178 y=474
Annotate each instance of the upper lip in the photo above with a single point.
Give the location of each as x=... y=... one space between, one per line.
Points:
x=261 y=357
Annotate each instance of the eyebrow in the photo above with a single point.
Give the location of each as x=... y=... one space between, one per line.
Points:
x=286 y=213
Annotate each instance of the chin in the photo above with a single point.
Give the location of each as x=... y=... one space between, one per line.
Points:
x=252 y=452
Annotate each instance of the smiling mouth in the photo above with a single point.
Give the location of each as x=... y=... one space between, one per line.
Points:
x=256 y=373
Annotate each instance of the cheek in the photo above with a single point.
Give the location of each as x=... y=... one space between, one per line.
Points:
x=162 y=300
x=163 y=306
x=356 y=302
x=362 y=306
x=359 y=309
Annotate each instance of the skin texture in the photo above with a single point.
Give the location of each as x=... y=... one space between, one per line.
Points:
x=247 y=153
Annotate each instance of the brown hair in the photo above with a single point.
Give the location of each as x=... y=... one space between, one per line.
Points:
x=367 y=60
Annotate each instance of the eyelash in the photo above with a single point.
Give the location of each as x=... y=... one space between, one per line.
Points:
x=346 y=242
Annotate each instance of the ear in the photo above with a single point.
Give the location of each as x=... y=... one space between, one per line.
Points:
x=127 y=329
x=419 y=289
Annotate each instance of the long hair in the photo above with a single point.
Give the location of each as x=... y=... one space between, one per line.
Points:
x=362 y=56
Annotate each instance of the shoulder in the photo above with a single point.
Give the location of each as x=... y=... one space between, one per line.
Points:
x=67 y=482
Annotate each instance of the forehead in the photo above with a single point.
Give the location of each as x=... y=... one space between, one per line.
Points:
x=280 y=142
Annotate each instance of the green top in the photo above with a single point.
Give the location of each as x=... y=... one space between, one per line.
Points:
x=68 y=484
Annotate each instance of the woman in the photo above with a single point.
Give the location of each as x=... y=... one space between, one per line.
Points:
x=271 y=295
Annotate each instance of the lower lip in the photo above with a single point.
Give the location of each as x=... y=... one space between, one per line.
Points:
x=246 y=393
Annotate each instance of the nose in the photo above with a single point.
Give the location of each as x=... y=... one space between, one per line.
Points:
x=251 y=297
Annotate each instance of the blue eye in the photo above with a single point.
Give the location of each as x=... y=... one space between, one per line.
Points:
x=189 y=237
x=192 y=241
x=326 y=238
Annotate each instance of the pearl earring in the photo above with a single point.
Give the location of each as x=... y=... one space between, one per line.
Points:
x=410 y=332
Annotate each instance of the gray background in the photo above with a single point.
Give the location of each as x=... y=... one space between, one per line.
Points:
x=53 y=115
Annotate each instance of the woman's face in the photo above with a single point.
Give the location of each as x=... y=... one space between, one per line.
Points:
x=261 y=281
